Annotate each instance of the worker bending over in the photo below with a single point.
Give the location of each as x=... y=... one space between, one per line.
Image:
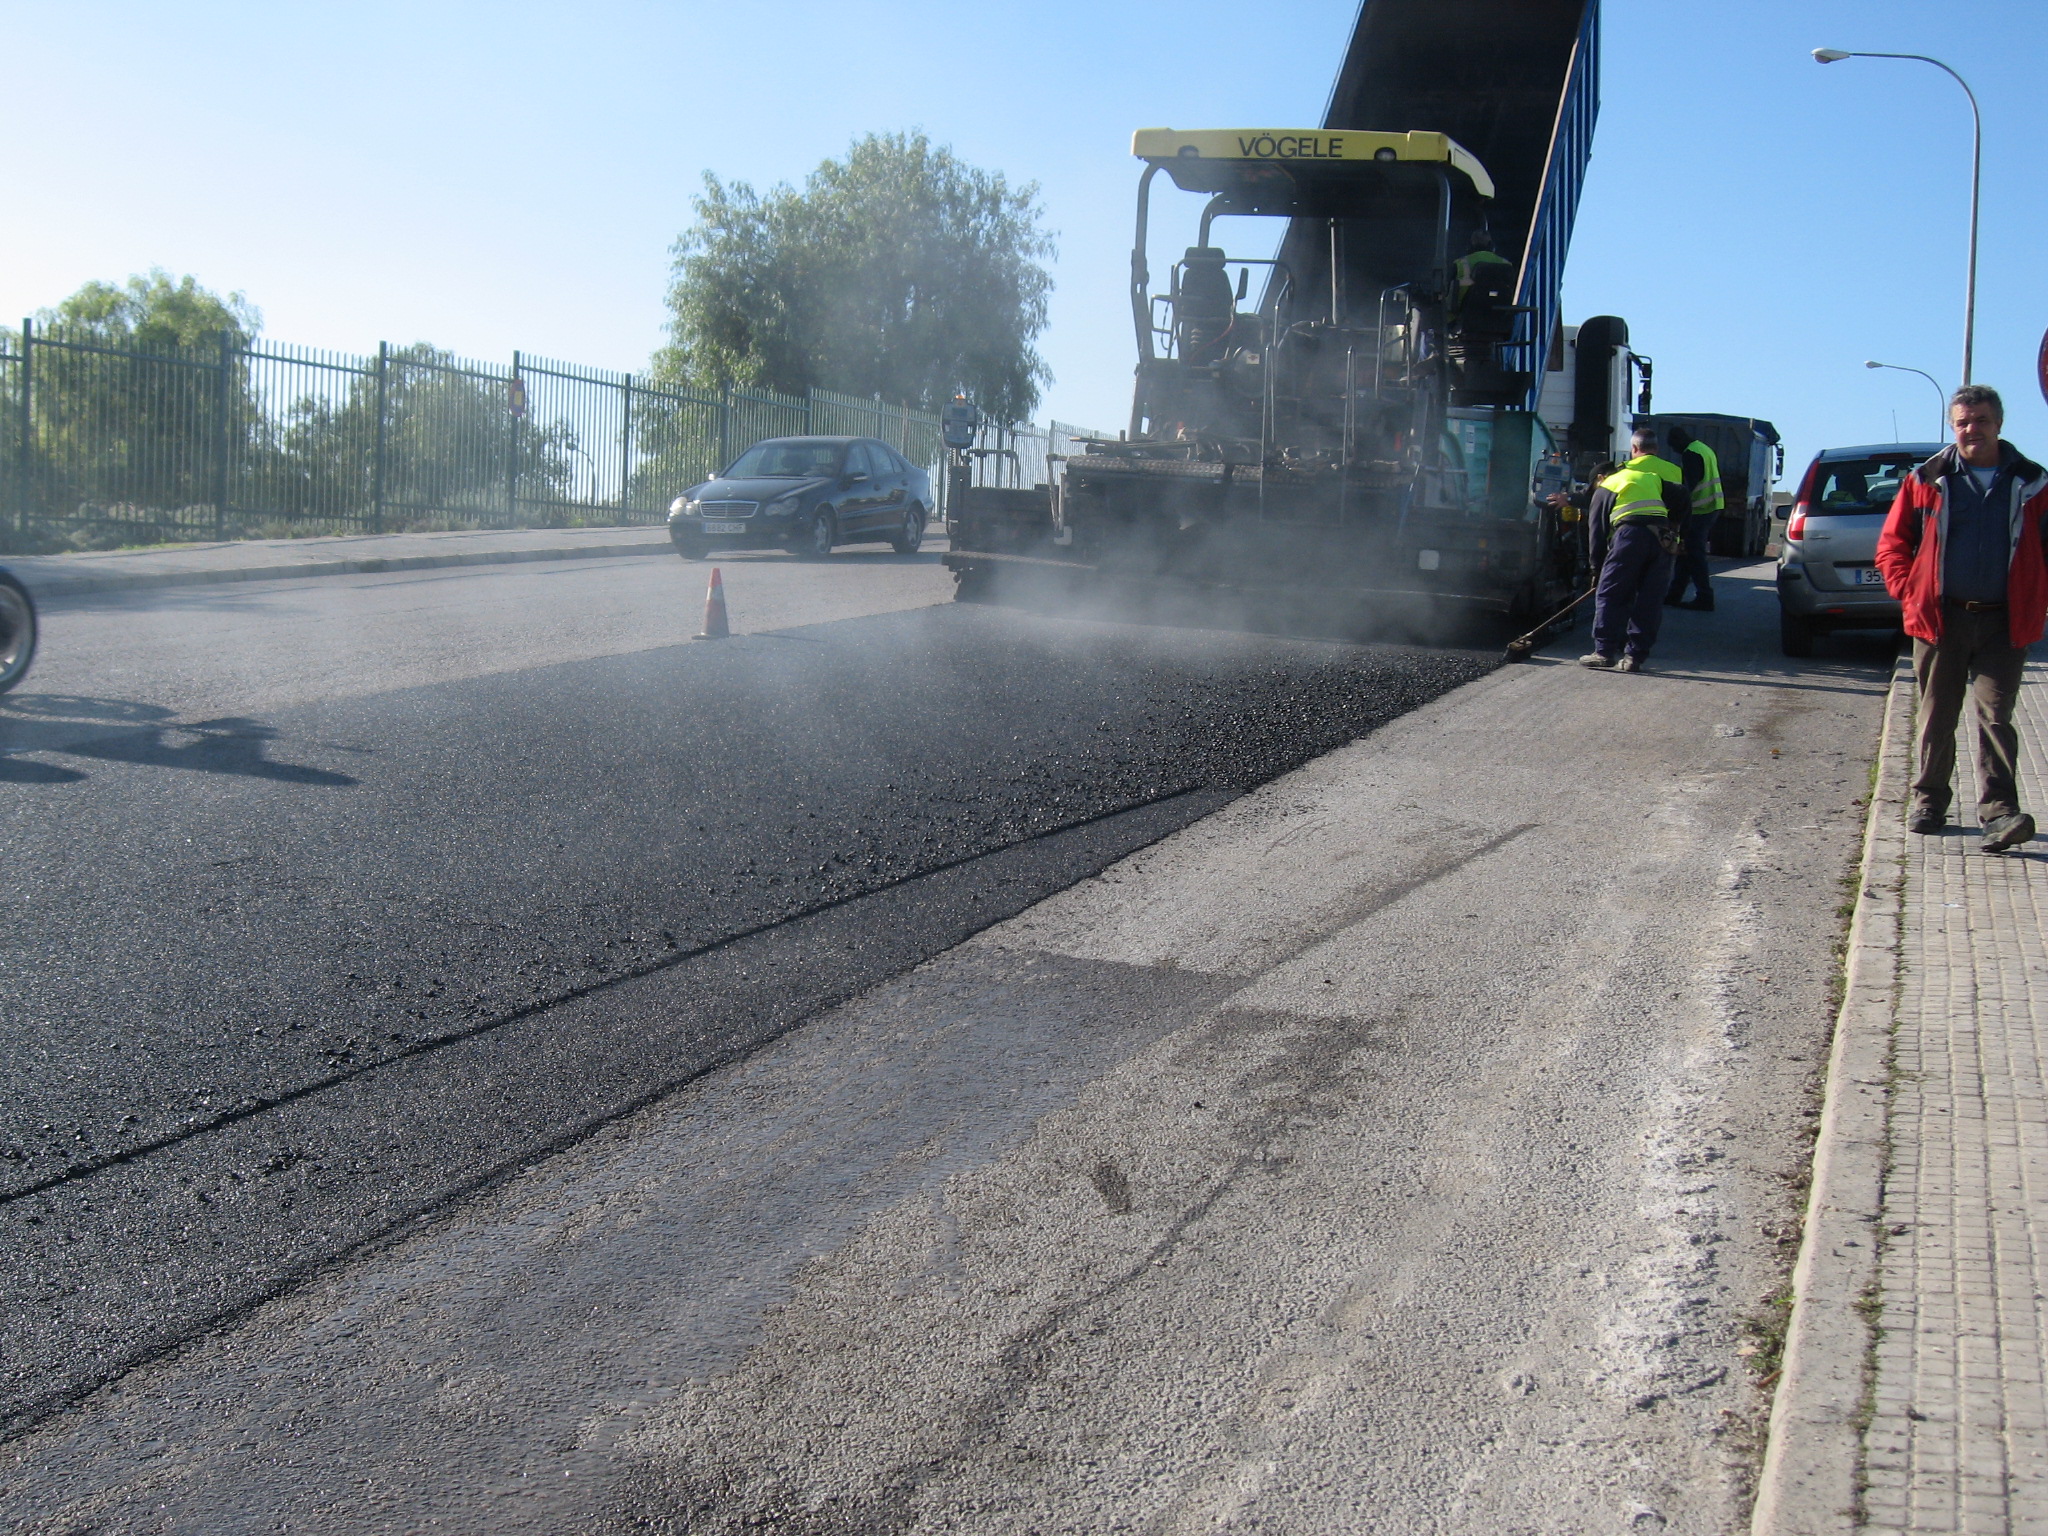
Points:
x=1631 y=534
x=1699 y=471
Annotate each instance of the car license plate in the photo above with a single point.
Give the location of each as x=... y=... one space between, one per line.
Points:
x=722 y=527
x=1870 y=578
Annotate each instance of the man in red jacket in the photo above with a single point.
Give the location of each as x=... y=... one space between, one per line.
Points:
x=1965 y=551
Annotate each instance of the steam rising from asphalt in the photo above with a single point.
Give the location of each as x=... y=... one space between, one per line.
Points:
x=1303 y=613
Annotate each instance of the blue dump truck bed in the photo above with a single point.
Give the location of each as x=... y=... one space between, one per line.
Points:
x=1516 y=82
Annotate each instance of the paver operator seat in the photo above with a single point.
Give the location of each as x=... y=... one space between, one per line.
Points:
x=1205 y=309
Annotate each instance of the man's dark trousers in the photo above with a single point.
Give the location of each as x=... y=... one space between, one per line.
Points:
x=1630 y=598
x=1975 y=654
x=1692 y=560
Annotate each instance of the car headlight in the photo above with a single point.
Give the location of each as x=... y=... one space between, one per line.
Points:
x=682 y=506
x=785 y=506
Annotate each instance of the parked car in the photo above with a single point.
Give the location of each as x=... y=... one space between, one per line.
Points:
x=1827 y=570
x=807 y=494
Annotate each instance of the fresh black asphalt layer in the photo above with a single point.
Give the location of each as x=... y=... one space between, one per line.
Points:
x=274 y=986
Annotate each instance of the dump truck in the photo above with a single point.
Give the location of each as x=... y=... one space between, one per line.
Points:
x=1368 y=426
x=1596 y=388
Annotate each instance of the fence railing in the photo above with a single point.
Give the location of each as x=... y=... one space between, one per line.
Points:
x=1025 y=456
x=261 y=437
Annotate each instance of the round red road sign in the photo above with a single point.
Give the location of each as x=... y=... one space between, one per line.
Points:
x=2041 y=365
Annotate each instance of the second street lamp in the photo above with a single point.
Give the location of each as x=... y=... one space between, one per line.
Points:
x=1835 y=56
x=1940 y=394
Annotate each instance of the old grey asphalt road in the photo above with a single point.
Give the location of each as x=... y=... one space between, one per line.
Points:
x=330 y=899
x=1398 y=1149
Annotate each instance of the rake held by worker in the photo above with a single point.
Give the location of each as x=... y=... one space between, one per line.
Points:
x=1522 y=645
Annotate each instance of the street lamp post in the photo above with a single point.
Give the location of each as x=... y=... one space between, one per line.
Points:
x=1835 y=55
x=1940 y=394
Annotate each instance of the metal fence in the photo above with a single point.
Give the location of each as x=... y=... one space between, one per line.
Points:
x=1026 y=456
x=260 y=437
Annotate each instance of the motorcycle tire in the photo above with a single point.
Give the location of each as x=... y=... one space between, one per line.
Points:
x=17 y=631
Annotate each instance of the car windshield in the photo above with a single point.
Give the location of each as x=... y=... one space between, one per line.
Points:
x=1861 y=485
x=788 y=459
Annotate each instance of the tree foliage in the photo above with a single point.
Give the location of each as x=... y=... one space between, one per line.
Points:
x=899 y=271
x=138 y=404
x=451 y=448
x=153 y=313
x=156 y=426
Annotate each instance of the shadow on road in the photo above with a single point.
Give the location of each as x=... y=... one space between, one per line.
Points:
x=17 y=770
x=148 y=735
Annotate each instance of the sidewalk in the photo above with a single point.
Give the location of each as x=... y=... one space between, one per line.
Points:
x=178 y=565
x=1914 y=1398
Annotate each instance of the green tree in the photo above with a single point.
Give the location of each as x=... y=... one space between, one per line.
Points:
x=153 y=313
x=899 y=271
x=452 y=449
x=135 y=412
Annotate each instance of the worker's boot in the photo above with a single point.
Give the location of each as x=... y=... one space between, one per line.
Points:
x=1595 y=660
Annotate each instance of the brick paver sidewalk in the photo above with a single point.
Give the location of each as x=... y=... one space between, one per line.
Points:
x=1958 y=1440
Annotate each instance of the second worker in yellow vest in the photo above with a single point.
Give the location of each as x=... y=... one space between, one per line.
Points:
x=1700 y=471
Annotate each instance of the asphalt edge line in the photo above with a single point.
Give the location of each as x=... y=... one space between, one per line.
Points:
x=248 y=1109
x=49 y=591
x=1811 y=1478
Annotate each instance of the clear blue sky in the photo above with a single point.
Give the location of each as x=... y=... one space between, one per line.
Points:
x=492 y=176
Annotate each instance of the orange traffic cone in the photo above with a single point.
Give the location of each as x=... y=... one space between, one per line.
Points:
x=715 y=627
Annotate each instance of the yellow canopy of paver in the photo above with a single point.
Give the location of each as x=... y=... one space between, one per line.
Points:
x=1220 y=159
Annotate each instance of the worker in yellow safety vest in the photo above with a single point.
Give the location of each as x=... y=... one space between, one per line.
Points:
x=1631 y=531
x=1475 y=272
x=1700 y=473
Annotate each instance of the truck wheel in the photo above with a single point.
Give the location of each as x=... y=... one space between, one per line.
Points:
x=971 y=583
x=1795 y=634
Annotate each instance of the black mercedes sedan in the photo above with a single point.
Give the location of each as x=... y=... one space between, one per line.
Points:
x=806 y=494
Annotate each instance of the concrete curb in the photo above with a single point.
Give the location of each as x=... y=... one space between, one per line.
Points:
x=1811 y=1474
x=44 y=589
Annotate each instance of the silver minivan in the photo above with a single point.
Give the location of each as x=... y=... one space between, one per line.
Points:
x=1827 y=569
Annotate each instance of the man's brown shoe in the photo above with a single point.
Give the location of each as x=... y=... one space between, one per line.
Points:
x=1925 y=819
x=2004 y=832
